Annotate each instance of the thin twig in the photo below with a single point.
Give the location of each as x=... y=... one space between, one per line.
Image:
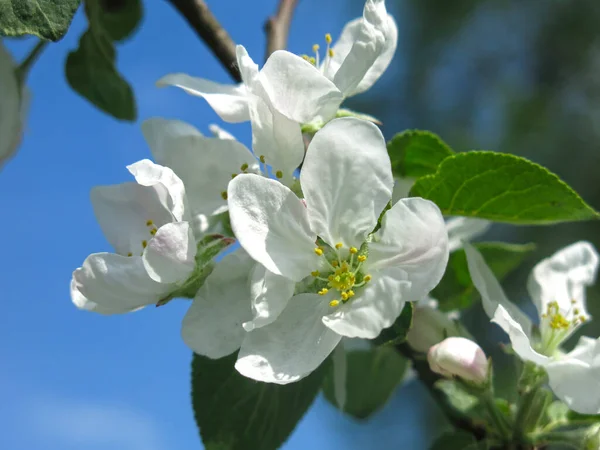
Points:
x=277 y=27
x=208 y=28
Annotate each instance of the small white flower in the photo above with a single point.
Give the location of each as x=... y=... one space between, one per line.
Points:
x=147 y=224
x=363 y=280
x=459 y=357
x=13 y=106
x=557 y=288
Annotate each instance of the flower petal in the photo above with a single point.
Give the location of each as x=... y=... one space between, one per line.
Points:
x=297 y=89
x=272 y=225
x=464 y=229
x=220 y=133
x=270 y=294
x=347 y=180
x=291 y=347
x=575 y=378
x=170 y=254
x=213 y=325
x=563 y=278
x=228 y=101
x=519 y=339
x=413 y=238
x=491 y=292
x=340 y=371
x=375 y=307
x=113 y=284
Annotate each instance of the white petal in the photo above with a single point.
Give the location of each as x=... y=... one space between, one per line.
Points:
x=413 y=238
x=291 y=347
x=347 y=180
x=297 y=89
x=563 y=278
x=464 y=229
x=220 y=133
x=12 y=106
x=170 y=254
x=270 y=294
x=213 y=325
x=518 y=337
x=340 y=369
x=113 y=284
x=375 y=307
x=491 y=292
x=272 y=225
x=228 y=101
x=575 y=378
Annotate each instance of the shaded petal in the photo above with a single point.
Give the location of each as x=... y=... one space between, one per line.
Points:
x=270 y=294
x=297 y=89
x=340 y=370
x=228 y=101
x=220 y=133
x=291 y=347
x=518 y=337
x=213 y=325
x=375 y=307
x=402 y=187
x=413 y=238
x=563 y=278
x=464 y=229
x=170 y=254
x=347 y=180
x=12 y=106
x=113 y=284
x=491 y=292
x=272 y=225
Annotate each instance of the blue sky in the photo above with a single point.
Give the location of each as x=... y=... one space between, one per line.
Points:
x=75 y=380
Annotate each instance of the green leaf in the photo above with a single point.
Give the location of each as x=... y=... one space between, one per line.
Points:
x=455 y=440
x=576 y=418
x=457 y=395
x=415 y=153
x=557 y=412
x=236 y=413
x=456 y=290
x=46 y=19
x=120 y=18
x=371 y=379
x=503 y=188
x=396 y=334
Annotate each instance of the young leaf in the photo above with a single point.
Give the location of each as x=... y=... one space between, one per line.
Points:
x=456 y=291
x=503 y=188
x=415 y=153
x=396 y=334
x=371 y=379
x=236 y=413
x=42 y=18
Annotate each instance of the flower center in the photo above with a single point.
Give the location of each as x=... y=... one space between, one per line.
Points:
x=344 y=272
x=316 y=60
x=152 y=230
x=555 y=326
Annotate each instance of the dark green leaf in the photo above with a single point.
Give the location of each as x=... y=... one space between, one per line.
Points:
x=120 y=18
x=396 y=334
x=91 y=72
x=47 y=19
x=372 y=376
x=457 y=395
x=456 y=290
x=415 y=153
x=236 y=413
x=503 y=188
x=455 y=440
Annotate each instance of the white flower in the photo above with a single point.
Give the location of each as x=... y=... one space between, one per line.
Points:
x=147 y=224
x=12 y=106
x=299 y=90
x=363 y=280
x=460 y=357
x=557 y=288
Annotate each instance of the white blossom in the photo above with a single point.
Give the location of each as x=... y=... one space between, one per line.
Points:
x=459 y=357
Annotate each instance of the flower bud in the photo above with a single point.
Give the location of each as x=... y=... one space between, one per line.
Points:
x=457 y=356
x=430 y=326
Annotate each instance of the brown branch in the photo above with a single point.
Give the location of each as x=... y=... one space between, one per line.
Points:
x=277 y=27
x=208 y=28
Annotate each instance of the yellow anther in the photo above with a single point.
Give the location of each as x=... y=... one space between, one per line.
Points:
x=244 y=167
x=129 y=254
x=328 y=38
x=149 y=223
x=333 y=303
x=144 y=244
x=330 y=52
x=367 y=278
x=353 y=250
x=316 y=48
x=339 y=245
x=344 y=296
x=361 y=258
x=350 y=293
x=262 y=158
x=573 y=301
x=335 y=263
x=305 y=57
x=233 y=175
x=319 y=251
x=576 y=311
x=224 y=195
x=279 y=174
x=312 y=60
x=558 y=322
x=323 y=291
x=153 y=231
x=315 y=273
x=345 y=266
x=582 y=319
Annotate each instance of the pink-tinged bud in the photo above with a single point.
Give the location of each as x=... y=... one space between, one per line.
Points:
x=460 y=357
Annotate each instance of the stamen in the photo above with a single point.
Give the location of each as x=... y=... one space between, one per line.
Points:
x=129 y=254
x=335 y=263
x=330 y=52
x=316 y=48
x=333 y=303
x=315 y=273
x=224 y=195
x=350 y=293
x=319 y=251
x=339 y=245
x=233 y=175
x=344 y=296
x=328 y=38
x=153 y=231
x=144 y=244
x=367 y=278
x=279 y=174
x=353 y=250
x=323 y=291
x=361 y=258
x=244 y=167
x=149 y=223
x=262 y=159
